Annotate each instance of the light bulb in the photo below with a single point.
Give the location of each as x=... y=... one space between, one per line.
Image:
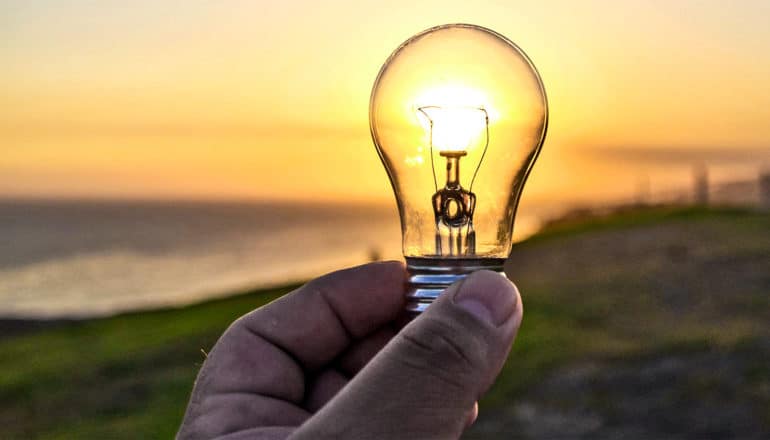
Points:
x=458 y=114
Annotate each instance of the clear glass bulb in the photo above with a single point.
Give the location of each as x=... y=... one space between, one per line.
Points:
x=458 y=114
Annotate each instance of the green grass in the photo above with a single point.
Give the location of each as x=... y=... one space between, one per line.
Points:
x=624 y=286
x=636 y=284
x=125 y=376
x=636 y=217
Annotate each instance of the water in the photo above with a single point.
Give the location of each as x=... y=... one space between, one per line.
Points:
x=75 y=259
x=87 y=258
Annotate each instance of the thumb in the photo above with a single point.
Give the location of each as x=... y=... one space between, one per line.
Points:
x=424 y=383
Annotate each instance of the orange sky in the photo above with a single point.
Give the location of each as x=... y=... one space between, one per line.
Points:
x=269 y=99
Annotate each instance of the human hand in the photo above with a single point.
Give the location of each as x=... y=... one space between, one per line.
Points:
x=327 y=361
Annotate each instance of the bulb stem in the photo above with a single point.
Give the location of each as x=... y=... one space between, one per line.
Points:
x=453 y=207
x=453 y=167
x=453 y=172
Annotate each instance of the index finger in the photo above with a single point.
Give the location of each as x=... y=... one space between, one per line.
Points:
x=255 y=375
x=316 y=322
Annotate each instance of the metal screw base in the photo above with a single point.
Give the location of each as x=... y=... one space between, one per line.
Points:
x=428 y=277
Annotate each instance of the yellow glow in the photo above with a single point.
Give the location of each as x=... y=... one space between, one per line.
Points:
x=457 y=96
x=453 y=128
x=240 y=100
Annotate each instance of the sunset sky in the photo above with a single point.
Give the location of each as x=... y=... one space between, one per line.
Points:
x=268 y=99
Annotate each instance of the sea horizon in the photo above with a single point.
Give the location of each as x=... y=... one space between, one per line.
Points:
x=74 y=257
x=79 y=258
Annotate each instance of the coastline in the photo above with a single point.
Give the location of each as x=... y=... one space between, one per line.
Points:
x=12 y=326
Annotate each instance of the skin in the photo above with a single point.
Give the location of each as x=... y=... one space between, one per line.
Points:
x=333 y=360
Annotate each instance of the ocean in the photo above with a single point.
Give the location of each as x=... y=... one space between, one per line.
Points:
x=77 y=259
x=87 y=258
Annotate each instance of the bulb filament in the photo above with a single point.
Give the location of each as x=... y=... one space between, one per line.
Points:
x=453 y=205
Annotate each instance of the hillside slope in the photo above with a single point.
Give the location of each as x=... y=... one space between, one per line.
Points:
x=639 y=325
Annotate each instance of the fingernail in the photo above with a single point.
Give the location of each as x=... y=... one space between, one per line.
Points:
x=488 y=296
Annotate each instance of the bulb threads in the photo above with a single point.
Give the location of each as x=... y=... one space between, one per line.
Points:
x=429 y=277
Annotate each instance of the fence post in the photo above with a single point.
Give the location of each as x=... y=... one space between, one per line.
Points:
x=764 y=189
x=701 y=185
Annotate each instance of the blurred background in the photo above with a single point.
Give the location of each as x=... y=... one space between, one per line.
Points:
x=158 y=154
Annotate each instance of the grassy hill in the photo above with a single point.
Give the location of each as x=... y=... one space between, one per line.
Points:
x=641 y=324
x=648 y=324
